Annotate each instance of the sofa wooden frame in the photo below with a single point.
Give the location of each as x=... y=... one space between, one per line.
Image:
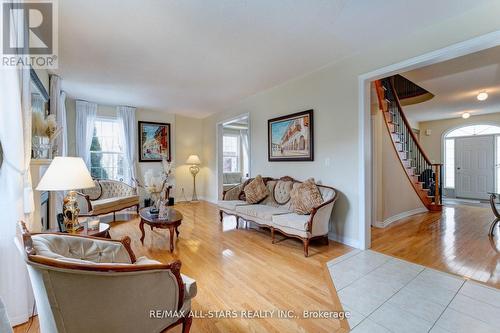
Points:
x=305 y=240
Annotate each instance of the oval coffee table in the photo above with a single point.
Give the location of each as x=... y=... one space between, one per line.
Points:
x=171 y=221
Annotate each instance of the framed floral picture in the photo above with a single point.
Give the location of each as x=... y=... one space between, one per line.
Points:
x=154 y=141
x=290 y=137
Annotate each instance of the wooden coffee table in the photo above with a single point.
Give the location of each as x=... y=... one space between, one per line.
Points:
x=171 y=221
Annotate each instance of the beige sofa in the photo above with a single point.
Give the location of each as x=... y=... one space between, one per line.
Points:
x=107 y=196
x=276 y=213
x=87 y=284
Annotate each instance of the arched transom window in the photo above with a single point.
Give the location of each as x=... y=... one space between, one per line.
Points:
x=474 y=130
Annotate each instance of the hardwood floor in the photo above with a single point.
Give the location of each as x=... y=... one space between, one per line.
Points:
x=239 y=269
x=455 y=241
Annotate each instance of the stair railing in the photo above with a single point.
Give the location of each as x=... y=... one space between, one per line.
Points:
x=428 y=173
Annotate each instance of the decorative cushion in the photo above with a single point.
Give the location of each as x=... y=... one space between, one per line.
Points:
x=305 y=196
x=269 y=200
x=256 y=190
x=282 y=191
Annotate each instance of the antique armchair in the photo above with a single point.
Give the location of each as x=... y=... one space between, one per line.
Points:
x=87 y=284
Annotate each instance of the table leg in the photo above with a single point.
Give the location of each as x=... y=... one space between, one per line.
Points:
x=141 y=226
x=177 y=231
x=171 y=239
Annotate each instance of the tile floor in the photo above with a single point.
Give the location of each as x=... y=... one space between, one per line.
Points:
x=385 y=294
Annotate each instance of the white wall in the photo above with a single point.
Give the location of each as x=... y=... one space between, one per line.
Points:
x=433 y=144
x=333 y=94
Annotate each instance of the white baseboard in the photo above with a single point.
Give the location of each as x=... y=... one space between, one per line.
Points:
x=344 y=240
x=394 y=218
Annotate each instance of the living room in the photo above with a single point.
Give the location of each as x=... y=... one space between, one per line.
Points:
x=201 y=166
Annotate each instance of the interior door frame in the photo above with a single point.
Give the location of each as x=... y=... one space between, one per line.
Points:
x=494 y=138
x=365 y=181
x=219 y=134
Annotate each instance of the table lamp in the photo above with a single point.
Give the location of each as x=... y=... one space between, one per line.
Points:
x=194 y=160
x=67 y=174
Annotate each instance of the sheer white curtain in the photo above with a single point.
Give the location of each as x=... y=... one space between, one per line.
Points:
x=126 y=117
x=15 y=185
x=245 y=144
x=58 y=108
x=85 y=118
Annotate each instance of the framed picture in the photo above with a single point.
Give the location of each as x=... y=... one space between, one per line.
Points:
x=154 y=141
x=290 y=138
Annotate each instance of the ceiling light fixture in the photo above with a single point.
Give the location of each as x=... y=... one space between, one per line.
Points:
x=466 y=115
x=482 y=96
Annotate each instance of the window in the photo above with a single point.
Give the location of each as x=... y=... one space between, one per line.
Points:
x=474 y=130
x=231 y=153
x=107 y=160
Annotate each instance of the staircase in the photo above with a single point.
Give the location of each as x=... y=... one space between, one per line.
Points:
x=424 y=176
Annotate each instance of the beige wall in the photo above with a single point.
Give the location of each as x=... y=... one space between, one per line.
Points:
x=333 y=94
x=433 y=143
x=186 y=139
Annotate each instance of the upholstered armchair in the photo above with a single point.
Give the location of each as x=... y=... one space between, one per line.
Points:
x=107 y=196
x=87 y=284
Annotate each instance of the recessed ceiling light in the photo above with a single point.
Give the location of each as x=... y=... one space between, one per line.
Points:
x=482 y=96
x=466 y=115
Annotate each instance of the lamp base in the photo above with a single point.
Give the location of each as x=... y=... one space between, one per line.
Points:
x=194 y=171
x=71 y=212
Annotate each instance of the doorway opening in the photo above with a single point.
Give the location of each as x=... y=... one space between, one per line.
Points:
x=471 y=161
x=233 y=152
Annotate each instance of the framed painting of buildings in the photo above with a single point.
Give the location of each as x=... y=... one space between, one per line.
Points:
x=290 y=138
x=154 y=141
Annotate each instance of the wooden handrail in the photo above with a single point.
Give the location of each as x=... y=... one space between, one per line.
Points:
x=407 y=124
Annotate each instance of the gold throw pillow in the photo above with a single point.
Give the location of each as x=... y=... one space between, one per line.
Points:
x=256 y=190
x=305 y=196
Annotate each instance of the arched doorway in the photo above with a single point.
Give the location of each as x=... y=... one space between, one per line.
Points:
x=471 y=161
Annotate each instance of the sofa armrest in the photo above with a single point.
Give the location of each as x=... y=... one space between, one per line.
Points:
x=233 y=193
x=320 y=218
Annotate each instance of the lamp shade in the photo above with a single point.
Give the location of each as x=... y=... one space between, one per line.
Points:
x=193 y=159
x=64 y=174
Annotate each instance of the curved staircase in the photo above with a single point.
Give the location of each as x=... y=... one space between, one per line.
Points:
x=424 y=176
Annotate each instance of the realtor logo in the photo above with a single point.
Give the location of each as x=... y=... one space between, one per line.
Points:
x=29 y=33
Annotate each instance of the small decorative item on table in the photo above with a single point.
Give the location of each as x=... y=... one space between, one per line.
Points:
x=164 y=209
x=93 y=223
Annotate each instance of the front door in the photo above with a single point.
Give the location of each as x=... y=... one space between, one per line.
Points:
x=475 y=165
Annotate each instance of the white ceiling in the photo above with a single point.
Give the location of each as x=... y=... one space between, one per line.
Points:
x=197 y=57
x=455 y=84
